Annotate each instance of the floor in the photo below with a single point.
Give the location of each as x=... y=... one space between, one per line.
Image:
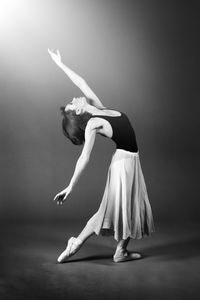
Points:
x=168 y=270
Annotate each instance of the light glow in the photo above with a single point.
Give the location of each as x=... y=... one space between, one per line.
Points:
x=9 y=9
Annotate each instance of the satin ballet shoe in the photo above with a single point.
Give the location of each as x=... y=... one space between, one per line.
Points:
x=124 y=255
x=73 y=246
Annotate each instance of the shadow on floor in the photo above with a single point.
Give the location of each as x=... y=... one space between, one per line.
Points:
x=91 y=258
x=179 y=250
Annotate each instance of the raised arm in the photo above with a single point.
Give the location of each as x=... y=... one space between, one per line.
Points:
x=90 y=133
x=77 y=80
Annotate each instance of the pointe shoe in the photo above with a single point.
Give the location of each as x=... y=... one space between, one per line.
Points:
x=73 y=246
x=124 y=255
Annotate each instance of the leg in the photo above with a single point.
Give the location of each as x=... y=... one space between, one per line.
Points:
x=122 y=244
x=74 y=244
x=121 y=247
x=86 y=233
x=121 y=253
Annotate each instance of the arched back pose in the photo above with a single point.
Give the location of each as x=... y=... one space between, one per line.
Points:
x=125 y=211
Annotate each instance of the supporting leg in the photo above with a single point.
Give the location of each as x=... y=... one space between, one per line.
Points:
x=122 y=244
x=121 y=253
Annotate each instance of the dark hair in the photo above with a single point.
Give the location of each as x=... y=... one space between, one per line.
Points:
x=73 y=125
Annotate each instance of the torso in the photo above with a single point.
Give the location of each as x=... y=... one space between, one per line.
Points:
x=103 y=126
x=116 y=125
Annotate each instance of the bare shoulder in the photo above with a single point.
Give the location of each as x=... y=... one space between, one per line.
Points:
x=94 y=123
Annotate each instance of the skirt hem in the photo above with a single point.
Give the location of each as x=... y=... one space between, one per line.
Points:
x=112 y=232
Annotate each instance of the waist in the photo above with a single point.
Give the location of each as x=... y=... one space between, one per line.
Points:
x=127 y=152
x=124 y=154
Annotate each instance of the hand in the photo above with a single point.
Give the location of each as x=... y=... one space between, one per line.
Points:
x=62 y=196
x=55 y=56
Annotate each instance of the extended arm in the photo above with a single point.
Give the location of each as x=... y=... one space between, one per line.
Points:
x=77 y=80
x=90 y=133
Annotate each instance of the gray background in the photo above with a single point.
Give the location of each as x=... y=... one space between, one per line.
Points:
x=140 y=57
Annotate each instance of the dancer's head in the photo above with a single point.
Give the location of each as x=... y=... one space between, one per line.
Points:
x=79 y=105
x=75 y=118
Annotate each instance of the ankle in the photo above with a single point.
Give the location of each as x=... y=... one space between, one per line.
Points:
x=120 y=249
x=78 y=241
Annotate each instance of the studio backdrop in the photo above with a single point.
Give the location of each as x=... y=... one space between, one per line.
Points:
x=139 y=57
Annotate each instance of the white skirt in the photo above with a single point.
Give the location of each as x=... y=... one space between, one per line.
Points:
x=125 y=210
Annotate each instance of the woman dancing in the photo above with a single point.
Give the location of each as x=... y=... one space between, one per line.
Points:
x=125 y=211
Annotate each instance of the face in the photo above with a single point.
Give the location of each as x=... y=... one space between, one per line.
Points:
x=77 y=104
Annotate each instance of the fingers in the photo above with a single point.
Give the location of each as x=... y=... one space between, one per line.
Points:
x=60 y=198
x=59 y=201
x=65 y=197
x=50 y=51
x=56 y=196
x=58 y=53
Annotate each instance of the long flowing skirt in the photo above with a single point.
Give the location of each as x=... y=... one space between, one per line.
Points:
x=125 y=210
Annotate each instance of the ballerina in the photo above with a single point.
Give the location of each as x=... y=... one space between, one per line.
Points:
x=125 y=210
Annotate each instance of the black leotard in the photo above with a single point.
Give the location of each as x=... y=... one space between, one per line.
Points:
x=123 y=132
